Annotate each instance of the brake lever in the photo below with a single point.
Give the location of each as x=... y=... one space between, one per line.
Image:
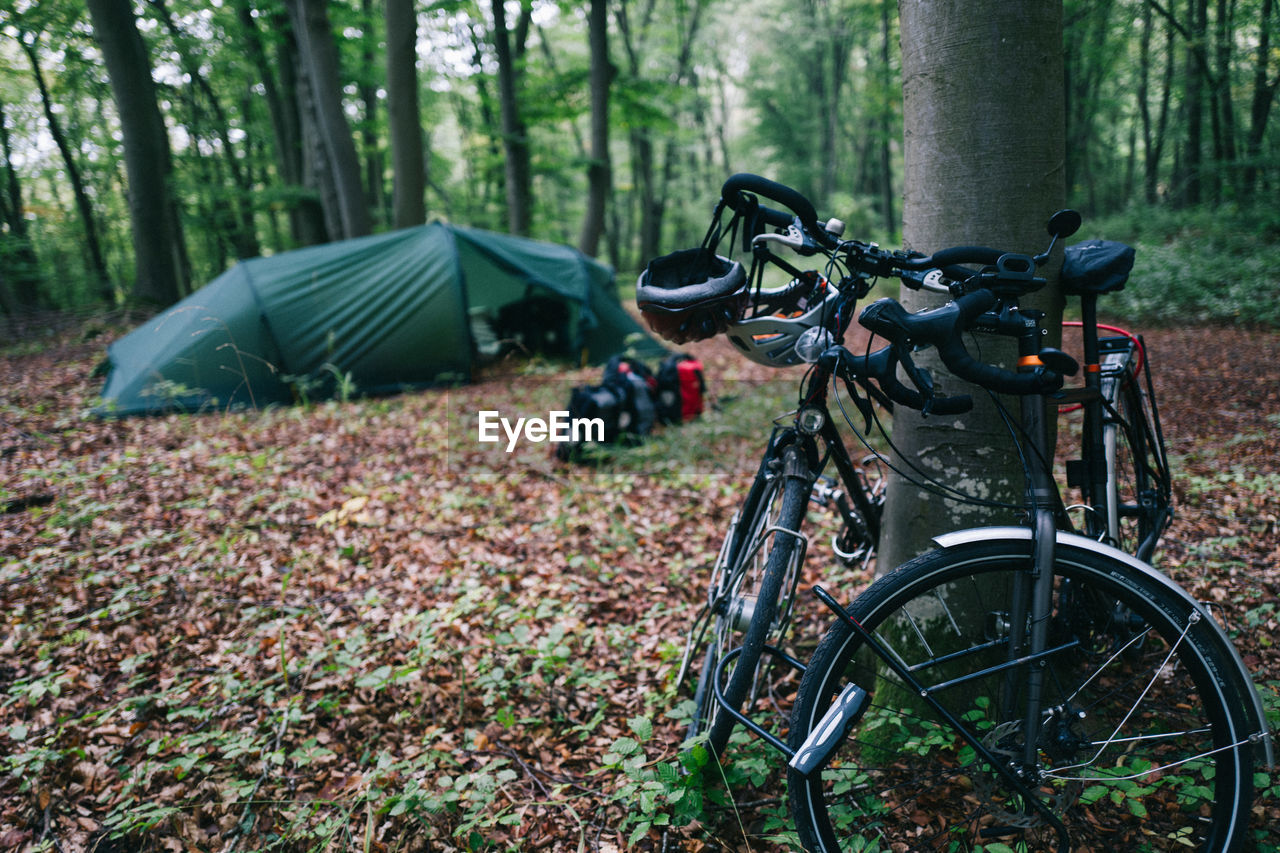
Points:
x=794 y=238
x=919 y=377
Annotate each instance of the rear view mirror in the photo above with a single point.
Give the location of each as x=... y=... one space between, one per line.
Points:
x=1064 y=223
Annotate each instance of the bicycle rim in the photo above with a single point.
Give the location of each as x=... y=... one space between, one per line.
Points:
x=751 y=607
x=1140 y=746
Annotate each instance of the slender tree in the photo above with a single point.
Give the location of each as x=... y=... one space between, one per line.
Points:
x=20 y=279
x=278 y=78
x=92 y=244
x=983 y=105
x=334 y=160
x=162 y=267
x=1263 y=96
x=240 y=227
x=509 y=51
x=404 y=114
x=599 y=172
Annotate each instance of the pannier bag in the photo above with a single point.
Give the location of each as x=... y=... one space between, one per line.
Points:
x=681 y=388
x=630 y=400
x=635 y=385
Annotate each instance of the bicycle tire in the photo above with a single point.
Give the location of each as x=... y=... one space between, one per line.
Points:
x=903 y=781
x=766 y=576
x=1137 y=499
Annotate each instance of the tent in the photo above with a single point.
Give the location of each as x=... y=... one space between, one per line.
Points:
x=410 y=308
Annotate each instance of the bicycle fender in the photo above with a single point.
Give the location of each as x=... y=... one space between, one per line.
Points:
x=1024 y=534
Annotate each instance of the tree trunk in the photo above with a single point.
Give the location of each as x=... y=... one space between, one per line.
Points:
x=371 y=144
x=19 y=266
x=1193 y=103
x=404 y=115
x=333 y=147
x=162 y=271
x=242 y=230
x=1224 y=111
x=984 y=128
x=97 y=265
x=887 y=207
x=1264 y=93
x=515 y=136
x=306 y=219
x=598 y=172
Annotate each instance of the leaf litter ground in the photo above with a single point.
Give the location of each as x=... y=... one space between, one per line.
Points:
x=351 y=626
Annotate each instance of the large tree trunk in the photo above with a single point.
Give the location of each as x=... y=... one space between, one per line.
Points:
x=162 y=270
x=599 y=172
x=407 y=154
x=332 y=147
x=984 y=124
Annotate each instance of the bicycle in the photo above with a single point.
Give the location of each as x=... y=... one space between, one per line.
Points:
x=694 y=294
x=1094 y=689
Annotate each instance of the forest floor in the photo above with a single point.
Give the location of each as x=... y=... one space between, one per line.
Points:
x=349 y=626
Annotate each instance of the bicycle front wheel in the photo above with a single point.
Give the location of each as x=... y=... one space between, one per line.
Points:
x=1143 y=741
x=751 y=597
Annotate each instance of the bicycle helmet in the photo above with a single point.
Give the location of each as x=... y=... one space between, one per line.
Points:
x=771 y=339
x=692 y=294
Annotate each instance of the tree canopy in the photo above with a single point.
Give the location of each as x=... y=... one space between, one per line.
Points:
x=610 y=125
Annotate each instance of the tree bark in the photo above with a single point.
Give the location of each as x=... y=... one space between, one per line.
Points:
x=18 y=261
x=599 y=171
x=984 y=129
x=404 y=115
x=333 y=147
x=1264 y=94
x=371 y=144
x=515 y=136
x=243 y=232
x=306 y=219
x=97 y=265
x=162 y=269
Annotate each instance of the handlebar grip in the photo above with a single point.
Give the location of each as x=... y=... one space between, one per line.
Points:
x=966 y=255
x=942 y=327
x=957 y=359
x=745 y=182
x=993 y=378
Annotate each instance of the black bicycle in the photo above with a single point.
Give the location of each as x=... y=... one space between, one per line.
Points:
x=1022 y=685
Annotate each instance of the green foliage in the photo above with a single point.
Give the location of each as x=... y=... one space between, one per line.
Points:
x=1210 y=265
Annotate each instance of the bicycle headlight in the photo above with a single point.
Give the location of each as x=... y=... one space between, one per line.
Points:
x=811 y=419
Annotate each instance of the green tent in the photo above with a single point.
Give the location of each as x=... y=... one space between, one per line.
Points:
x=410 y=308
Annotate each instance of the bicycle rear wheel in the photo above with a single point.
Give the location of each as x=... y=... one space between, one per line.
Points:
x=1138 y=486
x=750 y=602
x=1144 y=741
